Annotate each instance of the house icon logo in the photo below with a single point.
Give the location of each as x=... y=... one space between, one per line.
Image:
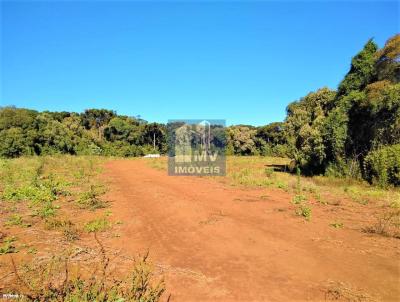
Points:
x=186 y=135
x=196 y=147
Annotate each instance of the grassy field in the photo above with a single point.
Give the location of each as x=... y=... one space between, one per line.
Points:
x=52 y=209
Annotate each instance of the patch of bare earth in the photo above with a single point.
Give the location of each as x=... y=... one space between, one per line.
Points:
x=218 y=243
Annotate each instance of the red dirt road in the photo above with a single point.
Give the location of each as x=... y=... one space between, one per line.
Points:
x=219 y=243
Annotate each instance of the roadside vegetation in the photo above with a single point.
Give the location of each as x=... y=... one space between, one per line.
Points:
x=308 y=192
x=51 y=209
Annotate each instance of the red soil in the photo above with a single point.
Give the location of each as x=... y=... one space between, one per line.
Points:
x=219 y=243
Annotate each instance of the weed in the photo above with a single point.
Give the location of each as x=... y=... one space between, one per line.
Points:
x=298 y=180
x=298 y=199
x=32 y=251
x=16 y=219
x=97 y=225
x=319 y=199
x=387 y=224
x=281 y=185
x=304 y=211
x=269 y=172
x=8 y=246
x=56 y=187
x=337 y=225
x=90 y=199
x=67 y=227
x=54 y=281
x=45 y=210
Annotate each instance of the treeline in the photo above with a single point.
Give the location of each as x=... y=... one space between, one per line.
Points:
x=104 y=132
x=93 y=132
x=353 y=131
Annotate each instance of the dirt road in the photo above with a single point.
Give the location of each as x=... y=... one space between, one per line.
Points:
x=220 y=243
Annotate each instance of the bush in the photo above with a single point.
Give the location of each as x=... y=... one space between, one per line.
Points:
x=382 y=166
x=304 y=211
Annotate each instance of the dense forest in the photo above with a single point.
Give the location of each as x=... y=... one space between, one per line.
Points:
x=353 y=131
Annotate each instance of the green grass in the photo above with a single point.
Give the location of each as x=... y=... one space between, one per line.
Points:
x=253 y=172
x=49 y=188
x=39 y=182
x=90 y=199
x=97 y=225
x=16 y=220
x=68 y=229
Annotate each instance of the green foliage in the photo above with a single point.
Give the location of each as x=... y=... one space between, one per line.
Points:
x=97 y=225
x=269 y=172
x=325 y=132
x=8 y=246
x=298 y=199
x=362 y=69
x=44 y=210
x=241 y=140
x=382 y=166
x=91 y=199
x=332 y=132
x=94 y=132
x=304 y=211
x=14 y=143
x=16 y=220
x=304 y=128
x=337 y=225
x=388 y=63
x=67 y=227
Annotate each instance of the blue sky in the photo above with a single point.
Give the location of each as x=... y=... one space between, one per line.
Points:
x=239 y=61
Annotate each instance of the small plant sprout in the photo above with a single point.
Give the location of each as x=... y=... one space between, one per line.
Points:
x=337 y=225
x=304 y=211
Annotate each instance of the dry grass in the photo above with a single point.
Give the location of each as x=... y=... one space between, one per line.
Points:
x=45 y=201
x=339 y=291
x=254 y=171
x=59 y=278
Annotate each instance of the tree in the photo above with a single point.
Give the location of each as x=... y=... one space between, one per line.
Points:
x=241 y=140
x=362 y=70
x=388 y=60
x=304 y=129
x=14 y=143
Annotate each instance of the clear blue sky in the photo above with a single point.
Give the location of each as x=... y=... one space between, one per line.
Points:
x=239 y=61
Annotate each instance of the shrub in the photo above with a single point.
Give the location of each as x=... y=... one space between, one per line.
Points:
x=90 y=199
x=97 y=225
x=67 y=228
x=298 y=199
x=304 y=211
x=382 y=166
